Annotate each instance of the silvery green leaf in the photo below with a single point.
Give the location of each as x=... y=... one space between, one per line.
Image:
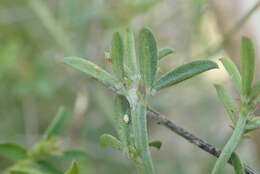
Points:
x=130 y=53
x=92 y=70
x=117 y=55
x=108 y=140
x=184 y=72
x=164 y=52
x=13 y=151
x=233 y=72
x=148 y=57
x=228 y=103
x=253 y=124
x=247 y=65
x=255 y=89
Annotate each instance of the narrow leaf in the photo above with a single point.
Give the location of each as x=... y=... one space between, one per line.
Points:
x=228 y=103
x=253 y=124
x=130 y=53
x=157 y=144
x=68 y=155
x=73 y=168
x=91 y=69
x=255 y=89
x=13 y=151
x=107 y=140
x=164 y=52
x=117 y=53
x=233 y=72
x=56 y=125
x=148 y=59
x=18 y=172
x=238 y=166
x=184 y=72
x=247 y=64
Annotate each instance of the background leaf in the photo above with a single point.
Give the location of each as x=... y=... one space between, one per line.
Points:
x=56 y=125
x=107 y=140
x=148 y=57
x=73 y=169
x=157 y=144
x=13 y=151
x=184 y=72
x=255 y=89
x=247 y=64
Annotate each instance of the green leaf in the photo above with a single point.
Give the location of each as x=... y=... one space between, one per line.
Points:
x=247 y=65
x=233 y=72
x=228 y=103
x=73 y=169
x=184 y=72
x=157 y=144
x=108 y=140
x=148 y=59
x=122 y=118
x=18 y=172
x=13 y=151
x=56 y=125
x=238 y=166
x=71 y=154
x=91 y=69
x=253 y=124
x=255 y=89
x=164 y=52
x=130 y=53
x=47 y=168
x=117 y=53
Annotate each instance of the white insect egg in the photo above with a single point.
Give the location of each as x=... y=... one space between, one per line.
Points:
x=126 y=118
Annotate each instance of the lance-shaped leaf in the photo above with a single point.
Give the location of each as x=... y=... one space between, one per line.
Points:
x=148 y=57
x=233 y=72
x=13 y=151
x=91 y=69
x=56 y=125
x=184 y=72
x=237 y=164
x=253 y=124
x=157 y=144
x=108 y=140
x=164 y=52
x=130 y=53
x=255 y=89
x=73 y=168
x=117 y=54
x=228 y=103
x=247 y=65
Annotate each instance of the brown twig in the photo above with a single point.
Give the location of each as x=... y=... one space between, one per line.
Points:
x=161 y=119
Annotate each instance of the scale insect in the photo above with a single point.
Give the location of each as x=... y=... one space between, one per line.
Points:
x=126 y=118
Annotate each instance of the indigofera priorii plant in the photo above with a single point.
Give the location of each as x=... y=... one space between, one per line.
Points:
x=135 y=81
x=242 y=113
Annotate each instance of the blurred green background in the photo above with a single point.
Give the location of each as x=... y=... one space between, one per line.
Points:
x=36 y=34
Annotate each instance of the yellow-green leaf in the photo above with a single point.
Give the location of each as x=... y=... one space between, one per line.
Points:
x=73 y=168
x=108 y=140
x=184 y=72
